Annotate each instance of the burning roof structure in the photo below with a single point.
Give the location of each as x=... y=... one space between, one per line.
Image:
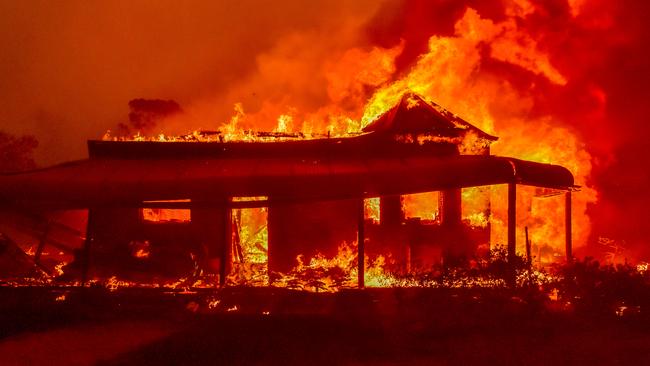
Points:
x=163 y=200
x=413 y=115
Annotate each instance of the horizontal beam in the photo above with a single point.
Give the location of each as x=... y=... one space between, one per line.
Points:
x=201 y=204
x=105 y=181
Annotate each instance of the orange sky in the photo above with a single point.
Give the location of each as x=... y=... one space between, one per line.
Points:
x=67 y=70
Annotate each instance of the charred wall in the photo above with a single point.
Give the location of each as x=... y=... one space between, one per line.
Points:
x=166 y=248
x=308 y=229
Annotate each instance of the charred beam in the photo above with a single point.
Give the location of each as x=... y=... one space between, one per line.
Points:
x=58 y=245
x=226 y=250
x=131 y=180
x=41 y=243
x=361 y=236
x=85 y=253
x=200 y=204
x=33 y=220
x=567 y=226
x=529 y=256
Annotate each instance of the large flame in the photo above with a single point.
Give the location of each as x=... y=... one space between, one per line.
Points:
x=451 y=74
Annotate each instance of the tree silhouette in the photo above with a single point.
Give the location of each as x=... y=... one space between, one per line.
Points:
x=16 y=153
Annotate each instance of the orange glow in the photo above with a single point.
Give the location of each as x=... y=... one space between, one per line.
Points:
x=371 y=209
x=448 y=73
x=576 y=6
x=252 y=234
x=166 y=214
x=140 y=249
x=476 y=206
x=422 y=205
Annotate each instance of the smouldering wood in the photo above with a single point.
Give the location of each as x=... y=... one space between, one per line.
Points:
x=224 y=264
x=361 y=245
x=85 y=254
x=512 y=221
x=567 y=225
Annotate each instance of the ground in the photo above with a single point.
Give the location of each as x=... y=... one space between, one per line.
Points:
x=66 y=326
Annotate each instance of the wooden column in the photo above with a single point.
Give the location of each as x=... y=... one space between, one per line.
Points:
x=567 y=226
x=361 y=236
x=512 y=221
x=450 y=203
x=226 y=249
x=529 y=254
x=390 y=210
x=85 y=253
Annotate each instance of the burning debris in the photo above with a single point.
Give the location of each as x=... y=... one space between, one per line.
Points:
x=14 y=262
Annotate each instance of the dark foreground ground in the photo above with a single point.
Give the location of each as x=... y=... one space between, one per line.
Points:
x=279 y=327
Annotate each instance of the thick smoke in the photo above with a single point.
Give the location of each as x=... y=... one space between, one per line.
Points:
x=145 y=114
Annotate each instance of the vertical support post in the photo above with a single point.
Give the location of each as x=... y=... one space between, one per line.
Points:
x=408 y=257
x=567 y=226
x=512 y=221
x=226 y=250
x=271 y=227
x=41 y=243
x=390 y=211
x=488 y=214
x=450 y=204
x=85 y=253
x=361 y=236
x=529 y=255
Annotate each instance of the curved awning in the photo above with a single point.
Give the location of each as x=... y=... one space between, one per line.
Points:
x=92 y=182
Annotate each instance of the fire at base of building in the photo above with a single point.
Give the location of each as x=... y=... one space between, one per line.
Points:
x=170 y=208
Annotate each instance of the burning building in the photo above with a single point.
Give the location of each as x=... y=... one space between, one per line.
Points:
x=169 y=207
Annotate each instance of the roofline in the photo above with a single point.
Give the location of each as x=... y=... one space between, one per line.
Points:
x=101 y=182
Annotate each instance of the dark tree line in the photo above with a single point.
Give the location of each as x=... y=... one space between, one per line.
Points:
x=17 y=152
